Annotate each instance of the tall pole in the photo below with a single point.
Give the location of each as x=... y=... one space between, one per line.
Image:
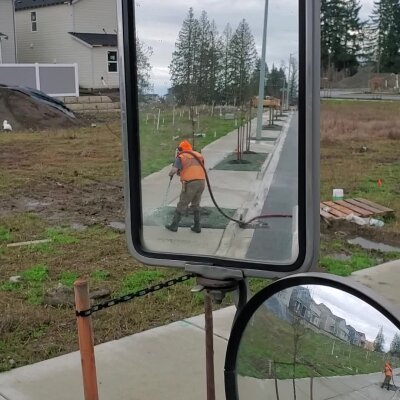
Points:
x=262 y=75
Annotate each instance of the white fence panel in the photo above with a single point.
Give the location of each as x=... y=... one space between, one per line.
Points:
x=57 y=80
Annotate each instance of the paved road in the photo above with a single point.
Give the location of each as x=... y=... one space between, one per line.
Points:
x=357 y=94
x=275 y=242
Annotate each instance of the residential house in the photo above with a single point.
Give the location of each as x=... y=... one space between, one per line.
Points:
x=284 y=296
x=8 y=51
x=300 y=302
x=369 y=345
x=327 y=319
x=315 y=314
x=362 y=339
x=353 y=337
x=68 y=32
x=341 y=330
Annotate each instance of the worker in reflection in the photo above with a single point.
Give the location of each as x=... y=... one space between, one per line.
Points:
x=388 y=375
x=189 y=165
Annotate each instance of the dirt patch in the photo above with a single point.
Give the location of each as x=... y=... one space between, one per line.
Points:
x=343 y=229
x=26 y=113
x=98 y=202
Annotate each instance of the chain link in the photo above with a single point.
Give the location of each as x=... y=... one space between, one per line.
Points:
x=131 y=296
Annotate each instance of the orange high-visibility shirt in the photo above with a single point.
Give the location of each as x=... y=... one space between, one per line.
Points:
x=191 y=168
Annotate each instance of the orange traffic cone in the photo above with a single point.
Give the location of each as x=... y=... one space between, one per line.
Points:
x=379 y=182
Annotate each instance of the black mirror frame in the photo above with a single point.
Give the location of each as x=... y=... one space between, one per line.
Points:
x=337 y=282
x=308 y=164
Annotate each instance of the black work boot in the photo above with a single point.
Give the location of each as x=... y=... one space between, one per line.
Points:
x=196 y=227
x=173 y=226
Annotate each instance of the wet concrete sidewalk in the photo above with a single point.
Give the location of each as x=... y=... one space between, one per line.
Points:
x=235 y=190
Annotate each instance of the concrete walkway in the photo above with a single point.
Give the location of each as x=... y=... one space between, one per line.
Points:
x=237 y=190
x=169 y=362
x=163 y=363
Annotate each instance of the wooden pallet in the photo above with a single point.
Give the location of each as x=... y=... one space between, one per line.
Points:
x=340 y=209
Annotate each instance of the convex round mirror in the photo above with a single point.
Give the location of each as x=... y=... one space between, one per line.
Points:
x=314 y=337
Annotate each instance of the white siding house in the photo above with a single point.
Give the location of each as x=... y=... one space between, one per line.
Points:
x=8 y=52
x=68 y=32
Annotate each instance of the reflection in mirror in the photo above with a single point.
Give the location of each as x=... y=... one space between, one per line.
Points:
x=203 y=90
x=317 y=342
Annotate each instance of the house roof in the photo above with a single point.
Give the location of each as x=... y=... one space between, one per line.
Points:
x=25 y=4
x=97 y=39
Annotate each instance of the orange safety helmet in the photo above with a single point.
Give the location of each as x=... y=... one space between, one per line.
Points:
x=185 y=146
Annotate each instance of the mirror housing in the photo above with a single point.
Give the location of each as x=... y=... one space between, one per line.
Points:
x=307 y=232
x=265 y=301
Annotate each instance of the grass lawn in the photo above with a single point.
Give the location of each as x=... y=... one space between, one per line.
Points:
x=360 y=144
x=79 y=171
x=158 y=146
x=272 y=338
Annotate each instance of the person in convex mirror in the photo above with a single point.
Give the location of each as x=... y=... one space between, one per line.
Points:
x=388 y=375
x=189 y=165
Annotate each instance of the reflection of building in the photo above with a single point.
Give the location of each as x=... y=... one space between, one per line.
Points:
x=284 y=296
x=369 y=345
x=315 y=314
x=341 y=330
x=353 y=335
x=300 y=303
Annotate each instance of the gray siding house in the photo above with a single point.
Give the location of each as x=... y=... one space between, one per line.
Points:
x=8 y=51
x=68 y=32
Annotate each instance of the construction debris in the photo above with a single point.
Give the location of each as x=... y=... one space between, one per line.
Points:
x=357 y=207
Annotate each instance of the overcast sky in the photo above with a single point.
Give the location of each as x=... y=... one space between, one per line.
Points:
x=158 y=23
x=356 y=312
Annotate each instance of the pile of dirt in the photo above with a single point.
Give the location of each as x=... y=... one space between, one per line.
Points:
x=24 y=112
x=361 y=80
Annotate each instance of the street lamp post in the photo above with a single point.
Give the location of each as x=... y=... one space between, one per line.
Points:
x=262 y=75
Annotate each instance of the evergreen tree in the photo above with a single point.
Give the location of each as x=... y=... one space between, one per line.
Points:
x=255 y=78
x=379 y=341
x=215 y=57
x=385 y=40
x=202 y=58
x=242 y=60
x=226 y=83
x=395 y=345
x=353 y=37
x=276 y=80
x=293 y=81
x=184 y=67
x=143 y=54
x=341 y=35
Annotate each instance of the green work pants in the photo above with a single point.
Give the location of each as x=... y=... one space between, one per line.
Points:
x=191 y=194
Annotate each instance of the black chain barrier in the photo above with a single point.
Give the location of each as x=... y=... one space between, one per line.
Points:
x=131 y=296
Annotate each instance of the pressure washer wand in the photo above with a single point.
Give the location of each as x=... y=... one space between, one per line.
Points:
x=167 y=192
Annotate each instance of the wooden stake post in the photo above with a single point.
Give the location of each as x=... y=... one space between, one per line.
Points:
x=86 y=342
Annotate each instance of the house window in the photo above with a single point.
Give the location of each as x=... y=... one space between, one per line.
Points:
x=112 y=61
x=33 y=21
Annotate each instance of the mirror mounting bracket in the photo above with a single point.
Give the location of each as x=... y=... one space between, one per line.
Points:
x=212 y=272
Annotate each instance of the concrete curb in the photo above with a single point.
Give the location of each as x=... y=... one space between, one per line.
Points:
x=258 y=199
